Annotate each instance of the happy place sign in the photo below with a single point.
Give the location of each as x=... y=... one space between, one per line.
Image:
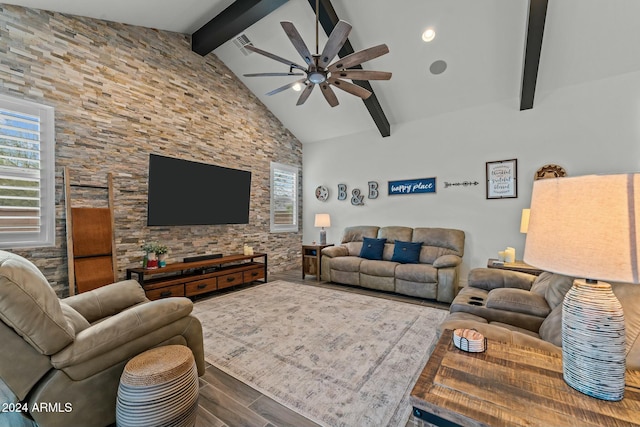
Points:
x=412 y=186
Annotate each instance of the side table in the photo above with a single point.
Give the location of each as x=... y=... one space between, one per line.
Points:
x=311 y=255
x=510 y=386
x=519 y=266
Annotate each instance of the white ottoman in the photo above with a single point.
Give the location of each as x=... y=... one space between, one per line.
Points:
x=159 y=388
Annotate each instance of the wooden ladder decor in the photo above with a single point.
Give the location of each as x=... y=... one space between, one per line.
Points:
x=90 y=240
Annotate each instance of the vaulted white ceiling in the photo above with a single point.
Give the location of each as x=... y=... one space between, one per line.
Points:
x=482 y=42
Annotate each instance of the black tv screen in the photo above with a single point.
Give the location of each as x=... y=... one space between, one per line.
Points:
x=183 y=192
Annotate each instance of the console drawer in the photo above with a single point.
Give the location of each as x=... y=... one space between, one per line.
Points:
x=229 y=280
x=201 y=286
x=253 y=274
x=166 y=292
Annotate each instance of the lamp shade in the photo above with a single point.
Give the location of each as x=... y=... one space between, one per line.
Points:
x=524 y=220
x=323 y=220
x=586 y=227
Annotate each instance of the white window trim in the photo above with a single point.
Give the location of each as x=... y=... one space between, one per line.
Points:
x=280 y=228
x=46 y=236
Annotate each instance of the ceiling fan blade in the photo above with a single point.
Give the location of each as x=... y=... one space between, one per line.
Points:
x=285 y=87
x=350 y=87
x=357 y=58
x=305 y=94
x=329 y=94
x=272 y=74
x=275 y=57
x=362 y=75
x=334 y=44
x=297 y=41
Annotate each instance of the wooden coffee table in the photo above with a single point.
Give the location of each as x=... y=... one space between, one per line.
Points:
x=510 y=385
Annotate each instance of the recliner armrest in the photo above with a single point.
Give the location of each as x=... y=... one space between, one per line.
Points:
x=492 y=278
x=445 y=261
x=518 y=301
x=120 y=329
x=335 y=251
x=107 y=300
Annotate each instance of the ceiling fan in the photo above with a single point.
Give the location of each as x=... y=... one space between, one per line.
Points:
x=318 y=71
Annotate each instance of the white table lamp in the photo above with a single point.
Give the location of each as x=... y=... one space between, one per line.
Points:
x=323 y=220
x=587 y=227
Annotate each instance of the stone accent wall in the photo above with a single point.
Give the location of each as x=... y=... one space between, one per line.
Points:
x=122 y=92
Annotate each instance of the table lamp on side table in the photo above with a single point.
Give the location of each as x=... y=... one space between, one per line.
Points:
x=587 y=227
x=323 y=220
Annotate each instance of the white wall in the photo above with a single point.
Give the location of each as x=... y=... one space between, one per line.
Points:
x=590 y=128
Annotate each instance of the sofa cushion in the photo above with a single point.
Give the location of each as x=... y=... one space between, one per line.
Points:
x=419 y=273
x=553 y=287
x=451 y=240
x=378 y=268
x=30 y=306
x=346 y=263
x=629 y=296
x=551 y=328
x=396 y=233
x=372 y=248
x=406 y=252
x=353 y=248
x=357 y=233
x=518 y=301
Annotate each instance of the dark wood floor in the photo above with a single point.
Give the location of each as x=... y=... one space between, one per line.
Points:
x=225 y=401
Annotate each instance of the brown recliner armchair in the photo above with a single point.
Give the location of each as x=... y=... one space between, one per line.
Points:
x=69 y=353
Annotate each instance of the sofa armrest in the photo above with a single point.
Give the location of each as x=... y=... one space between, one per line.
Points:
x=492 y=278
x=120 y=329
x=445 y=261
x=107 y=300
x=335 y=251
x=518 y=301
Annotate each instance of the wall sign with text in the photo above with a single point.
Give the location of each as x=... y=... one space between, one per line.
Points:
x=502 y=179
x=412 y=186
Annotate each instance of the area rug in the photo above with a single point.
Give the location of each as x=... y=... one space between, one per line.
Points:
x=338 y=358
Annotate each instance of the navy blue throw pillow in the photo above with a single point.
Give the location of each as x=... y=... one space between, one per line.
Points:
x=406 y=252
x=372 y=248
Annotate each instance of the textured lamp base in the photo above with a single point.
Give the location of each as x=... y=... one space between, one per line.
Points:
x=323 y=237
x=593 y=341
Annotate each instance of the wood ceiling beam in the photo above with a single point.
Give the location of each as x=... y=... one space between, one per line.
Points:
x=533 y=47
x=328 y=20
x=231 y=22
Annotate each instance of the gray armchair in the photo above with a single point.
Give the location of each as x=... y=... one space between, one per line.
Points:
x=71 y=352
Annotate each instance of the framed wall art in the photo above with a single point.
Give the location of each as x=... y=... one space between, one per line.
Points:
x=502 y=179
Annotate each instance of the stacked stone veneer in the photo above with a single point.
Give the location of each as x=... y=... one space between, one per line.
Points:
x=122 y=92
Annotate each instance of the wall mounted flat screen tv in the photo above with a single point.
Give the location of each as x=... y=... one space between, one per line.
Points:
x=183 y=192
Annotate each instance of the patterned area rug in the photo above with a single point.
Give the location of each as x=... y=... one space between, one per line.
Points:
x=338 y=358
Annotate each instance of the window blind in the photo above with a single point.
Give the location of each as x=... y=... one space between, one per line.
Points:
x=26 y=202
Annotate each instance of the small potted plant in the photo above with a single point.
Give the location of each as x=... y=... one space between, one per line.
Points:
x=161 y=252
x=150 y=260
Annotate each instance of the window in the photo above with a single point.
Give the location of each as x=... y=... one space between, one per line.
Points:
x=27 y=181
x=284 y=198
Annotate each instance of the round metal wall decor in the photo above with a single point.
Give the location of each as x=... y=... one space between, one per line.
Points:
x=550 y=171
x=322 y=193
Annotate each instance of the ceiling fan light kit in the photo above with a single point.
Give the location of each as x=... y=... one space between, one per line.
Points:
x=319 y=70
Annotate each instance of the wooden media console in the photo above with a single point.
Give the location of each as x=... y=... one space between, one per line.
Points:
x=189 y=279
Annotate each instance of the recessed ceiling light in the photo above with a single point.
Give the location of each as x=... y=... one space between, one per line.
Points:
x=297 y=87
x=429 y=34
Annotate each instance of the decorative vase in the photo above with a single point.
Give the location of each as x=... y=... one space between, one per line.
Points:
x=593 y=341
x=152 y=261
x=162 y=260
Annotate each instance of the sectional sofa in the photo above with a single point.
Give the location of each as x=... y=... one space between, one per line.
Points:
x=420 y=262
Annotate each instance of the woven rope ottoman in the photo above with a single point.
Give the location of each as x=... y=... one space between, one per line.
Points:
x=159 y=388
